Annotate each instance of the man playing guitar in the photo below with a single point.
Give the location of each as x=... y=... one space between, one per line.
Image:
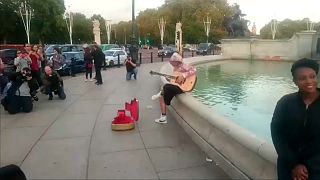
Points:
x=169 y=90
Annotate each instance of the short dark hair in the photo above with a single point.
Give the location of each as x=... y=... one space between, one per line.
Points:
x=57 y=49
x=305 y=62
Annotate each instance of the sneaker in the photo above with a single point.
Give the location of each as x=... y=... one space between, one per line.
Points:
x=91 y=80
x=161 y=120
x=86 y=80
x=35 y=98
x=156 y=96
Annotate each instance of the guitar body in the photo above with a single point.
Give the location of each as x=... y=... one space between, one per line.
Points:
x=188 y=84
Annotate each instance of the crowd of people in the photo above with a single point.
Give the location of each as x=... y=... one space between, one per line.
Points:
x=35 y=73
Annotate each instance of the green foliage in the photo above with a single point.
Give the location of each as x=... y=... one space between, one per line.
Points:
x=48 y=24
x=82 y=29
x=10 y=22
x=285 y=28
x=191 y=14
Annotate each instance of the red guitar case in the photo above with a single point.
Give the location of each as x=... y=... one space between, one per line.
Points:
x=125 y=119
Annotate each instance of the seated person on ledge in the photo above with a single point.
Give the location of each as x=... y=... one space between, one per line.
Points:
x=53 y=83
x=295 y=126
x=170 y=90
x=131 y=67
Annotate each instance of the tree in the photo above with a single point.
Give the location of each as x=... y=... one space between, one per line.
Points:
x=10 y=22
x=47 y=24
x=82 y=29
x=191 y=13
x=285 y=28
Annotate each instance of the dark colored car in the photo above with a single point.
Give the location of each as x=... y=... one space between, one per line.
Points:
x=8 y=56
x=205 y=49
x=167 y=51
x=73 y=63
x=63 y=48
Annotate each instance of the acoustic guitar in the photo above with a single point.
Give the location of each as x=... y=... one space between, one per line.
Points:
x=186 y=86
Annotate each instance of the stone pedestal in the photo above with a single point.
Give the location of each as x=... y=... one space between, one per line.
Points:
x=96 y=31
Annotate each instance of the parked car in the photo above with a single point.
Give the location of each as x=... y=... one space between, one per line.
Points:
x=74 y=60
x=189 y=48
x=161 y=46
x=205 y=49
x=105 y=47
x=111 y=56
x=167 y=51
x=63 y=48
x=7 y=56
x=49 y=50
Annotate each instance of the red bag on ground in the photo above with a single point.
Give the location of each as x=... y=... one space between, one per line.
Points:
x=125 y=121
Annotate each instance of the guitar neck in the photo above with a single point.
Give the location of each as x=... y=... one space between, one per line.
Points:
x=165 y=75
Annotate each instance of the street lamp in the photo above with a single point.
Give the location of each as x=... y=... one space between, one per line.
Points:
x=125 y=36
x=27 y=11
x=207 y=24
x=274 y=28
x=162 y=27
x=69 y=21
x=133 y=49
x=108 y=28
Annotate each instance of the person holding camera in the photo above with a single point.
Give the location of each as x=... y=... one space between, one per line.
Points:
x=53 y=83
x=19 y=95
x=22 y=60
x=131 y=67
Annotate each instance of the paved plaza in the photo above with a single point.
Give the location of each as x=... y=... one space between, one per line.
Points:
x=72 y=139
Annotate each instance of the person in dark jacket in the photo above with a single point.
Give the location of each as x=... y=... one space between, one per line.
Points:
x=295 y=126
x=88 y=59
x=98 y=57
x=53 y=83
x=18 y=96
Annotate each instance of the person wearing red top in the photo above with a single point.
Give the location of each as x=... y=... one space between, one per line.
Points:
x=35 y=59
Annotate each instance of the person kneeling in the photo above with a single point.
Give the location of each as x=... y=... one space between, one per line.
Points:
x=170 y=90
x=131 y=68
x=18 y=97
x=53 y=83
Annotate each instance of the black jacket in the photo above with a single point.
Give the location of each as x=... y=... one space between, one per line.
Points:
x=88 y=58
x=54 y=81
x=98 y=57
x=295 y=131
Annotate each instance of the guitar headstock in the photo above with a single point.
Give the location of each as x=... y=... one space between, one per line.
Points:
x=152 y=72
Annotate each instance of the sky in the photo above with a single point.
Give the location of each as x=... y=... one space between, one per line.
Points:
x=259 y=11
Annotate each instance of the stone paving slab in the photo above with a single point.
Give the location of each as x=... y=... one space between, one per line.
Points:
x=39 y=118
x=164 y=138
x=105 y=140
x=16 y=143
x=178 y=157
x=71 y=125
x=201 y=172
x=121 y=165
x=58 y=159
